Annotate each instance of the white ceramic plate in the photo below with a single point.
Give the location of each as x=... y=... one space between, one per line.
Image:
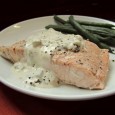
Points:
x=21 y=31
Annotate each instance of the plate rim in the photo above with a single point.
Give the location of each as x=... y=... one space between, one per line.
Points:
x=57 y=97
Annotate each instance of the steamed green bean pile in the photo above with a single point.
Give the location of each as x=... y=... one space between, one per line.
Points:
x=101 y=34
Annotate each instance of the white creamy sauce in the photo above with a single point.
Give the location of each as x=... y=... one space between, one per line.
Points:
x=39 y=49
x=35 y=76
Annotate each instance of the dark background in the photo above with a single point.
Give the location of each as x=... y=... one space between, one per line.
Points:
x=15 y=11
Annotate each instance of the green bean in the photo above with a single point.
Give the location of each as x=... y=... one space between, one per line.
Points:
x=110 y=41
x=86 y=34
x=63 y=29
x=106 y=32
x=58 y=19
x=105 y=46
x=107 y=40
x=105 y=35
x=99 y=24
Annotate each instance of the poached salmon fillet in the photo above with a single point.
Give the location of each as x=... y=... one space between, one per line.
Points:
x=14 y=52
x=86 y=68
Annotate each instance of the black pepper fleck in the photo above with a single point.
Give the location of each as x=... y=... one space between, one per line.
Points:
x=59 y=49
x=33 y=65
x=38 y=81
x=101 y=61
x=58 y=82
x=31 y=83
x=113 y=60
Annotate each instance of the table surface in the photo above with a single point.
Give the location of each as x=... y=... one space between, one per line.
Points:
x=15 y=103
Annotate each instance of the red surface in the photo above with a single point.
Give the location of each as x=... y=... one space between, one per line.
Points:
x=15 y=103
